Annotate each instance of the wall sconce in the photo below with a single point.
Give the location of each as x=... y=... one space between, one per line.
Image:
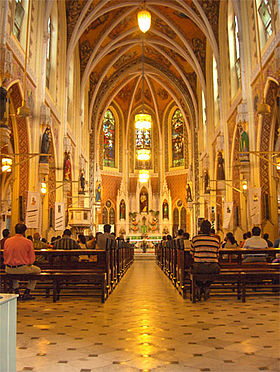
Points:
x=244 y=185
x=278 y=163
x=43 y=188
x=6 y=165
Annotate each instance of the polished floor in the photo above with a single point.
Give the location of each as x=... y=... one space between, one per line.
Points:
x=146 y=326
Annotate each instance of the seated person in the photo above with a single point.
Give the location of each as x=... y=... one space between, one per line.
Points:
x=187 y=242
x=205 y=256
x=67 y=243
x=101 y=239
x=255 y=242
x=39 y=244
x=19 y=257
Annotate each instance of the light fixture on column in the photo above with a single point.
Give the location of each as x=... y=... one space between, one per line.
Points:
x=244 y=185
x=278 y=163
x=6 y=165
x=144 y=19
x=144 y=176
x=263 y=108
x=43 y=188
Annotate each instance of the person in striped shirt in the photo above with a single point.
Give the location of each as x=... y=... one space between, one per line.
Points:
x=204 y=250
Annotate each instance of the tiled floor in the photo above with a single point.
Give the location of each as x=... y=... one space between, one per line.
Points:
x=145 y=325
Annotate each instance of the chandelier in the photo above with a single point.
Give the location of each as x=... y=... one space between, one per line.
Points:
x=143 y=121
x=6 y=165
x=144 y=176
x=143 y=154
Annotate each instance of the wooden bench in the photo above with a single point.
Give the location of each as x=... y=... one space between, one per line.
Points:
x=61 y=270
x=233 y=278
x=240 y=280
x=63 y=279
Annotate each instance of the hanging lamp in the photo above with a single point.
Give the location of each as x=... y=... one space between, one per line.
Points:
x=144 y=176
x=144 y=20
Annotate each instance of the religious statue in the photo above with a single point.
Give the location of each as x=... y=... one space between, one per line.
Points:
x=206 y=182
x=82 y=183
x=122 y=210
x=189 y=193
x=45 y=146
x=67 y=173
x=243 y=142
x=143 y=201
x=165 y=212
x=98 y=192
x=3 y=100
x=144 y=227
x=220 y=167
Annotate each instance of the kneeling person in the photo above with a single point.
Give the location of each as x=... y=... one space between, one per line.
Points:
x=19 y=257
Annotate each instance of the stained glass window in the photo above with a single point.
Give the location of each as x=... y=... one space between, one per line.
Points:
x=237 y=50
x=175 y=221
x=48 y=67
x=105 y=216
x=183 y=223
x=265 y=12
x=18 y=20
x=111 y=216
x=177 y=126
x=109 y=139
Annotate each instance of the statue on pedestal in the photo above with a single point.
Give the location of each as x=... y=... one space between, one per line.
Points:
x=220 y=167
x=45 y=146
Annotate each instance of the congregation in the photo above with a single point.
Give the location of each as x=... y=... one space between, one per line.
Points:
x=19 y=256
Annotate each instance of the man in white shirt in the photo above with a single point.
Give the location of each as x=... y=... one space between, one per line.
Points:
x=255 y=242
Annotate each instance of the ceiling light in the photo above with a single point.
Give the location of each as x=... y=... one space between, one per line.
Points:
x=144 y=20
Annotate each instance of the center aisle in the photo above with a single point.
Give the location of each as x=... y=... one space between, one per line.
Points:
x=145 y=325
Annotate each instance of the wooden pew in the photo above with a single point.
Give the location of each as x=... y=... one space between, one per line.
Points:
x=61 y=271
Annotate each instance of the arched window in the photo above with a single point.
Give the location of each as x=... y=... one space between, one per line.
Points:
x=234 y=49
x=70 y=97
x=53 y=25
x=183 y=219
x=215 y=92
x=175 y=220
x=20 y=20
x=109 y=139
x=105 y=216
x=177 y=139
x=111 y=216
x=49 y=45
x=265 y=14
x=204 y=120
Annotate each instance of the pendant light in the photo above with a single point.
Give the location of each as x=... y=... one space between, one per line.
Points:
x=144 y=19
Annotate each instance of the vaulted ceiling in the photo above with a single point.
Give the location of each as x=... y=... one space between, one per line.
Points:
x=111 y=51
